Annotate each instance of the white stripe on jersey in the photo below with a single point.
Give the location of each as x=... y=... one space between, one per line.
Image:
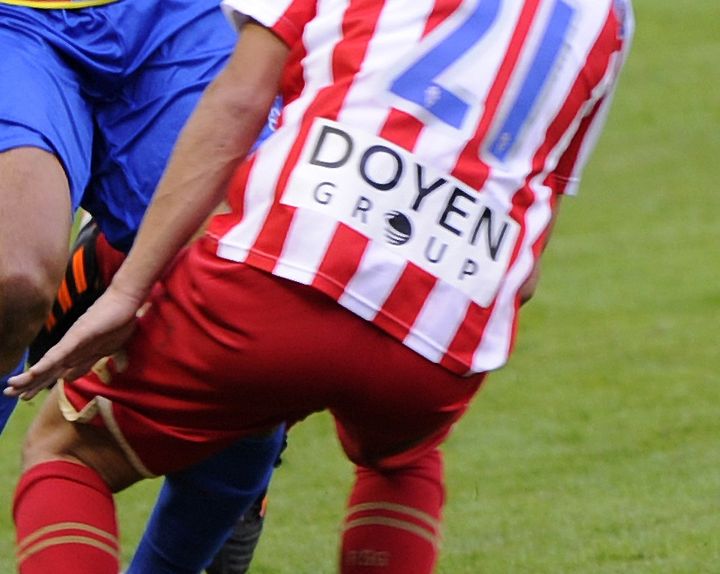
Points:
x=309 y=236
x=441 y=315
x=377 y=274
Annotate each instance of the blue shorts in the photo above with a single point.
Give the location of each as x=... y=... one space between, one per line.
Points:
x=7 y=404
x=107 y=90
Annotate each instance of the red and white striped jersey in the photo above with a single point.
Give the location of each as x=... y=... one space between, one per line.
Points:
x=420 y=154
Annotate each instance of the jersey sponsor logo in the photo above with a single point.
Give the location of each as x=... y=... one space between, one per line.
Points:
x=398 y=230
x=386 y=193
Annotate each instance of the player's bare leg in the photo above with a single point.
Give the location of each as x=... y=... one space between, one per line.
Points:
x=63 y=509
x=34 y=232
x=89 y=270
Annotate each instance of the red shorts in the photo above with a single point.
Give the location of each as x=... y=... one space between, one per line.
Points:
x=226 y=350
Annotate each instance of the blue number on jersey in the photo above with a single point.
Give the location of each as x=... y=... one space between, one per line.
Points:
x=537 y=76
x=417 y=83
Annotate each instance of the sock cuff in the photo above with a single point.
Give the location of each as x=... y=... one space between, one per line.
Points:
x=64 y=470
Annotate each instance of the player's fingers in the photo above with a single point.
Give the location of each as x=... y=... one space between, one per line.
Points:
x=20 y=380
x=31 y=378
x=43 y=373
x=27 y=385
x=47 y=375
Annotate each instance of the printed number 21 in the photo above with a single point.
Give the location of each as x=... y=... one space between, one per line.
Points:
x=417 y=83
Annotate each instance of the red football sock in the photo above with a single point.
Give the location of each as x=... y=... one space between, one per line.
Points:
x=393 y=519
x=65 y=521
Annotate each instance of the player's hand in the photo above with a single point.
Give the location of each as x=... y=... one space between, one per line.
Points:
x=100 y=332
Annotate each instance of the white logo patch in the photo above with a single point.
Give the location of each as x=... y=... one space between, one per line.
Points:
x=385 y=193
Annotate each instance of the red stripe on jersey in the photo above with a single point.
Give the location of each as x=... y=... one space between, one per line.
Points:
x=289 y=26
x=347 y=59
x=402 y=129
x=291 y=82
x=460 y=352
x=334 y=273
x=563 y=173
x=405 y=302
x=440 y=12
x=468 y=169
x=470 y=333
x=266 y=249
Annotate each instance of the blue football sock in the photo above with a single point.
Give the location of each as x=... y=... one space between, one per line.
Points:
x=7 y=404
x=198 y=507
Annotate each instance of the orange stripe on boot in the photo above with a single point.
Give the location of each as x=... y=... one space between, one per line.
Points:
x=78 y=268
x=50 y=321
x=64 y=296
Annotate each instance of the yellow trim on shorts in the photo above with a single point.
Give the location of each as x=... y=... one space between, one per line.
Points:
x=57 y=4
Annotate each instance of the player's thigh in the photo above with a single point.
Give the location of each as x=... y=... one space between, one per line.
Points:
x=45 y=141
x=398 y=405
x=35 y=213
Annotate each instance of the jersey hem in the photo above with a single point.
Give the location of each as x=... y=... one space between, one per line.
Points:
x=335 y=289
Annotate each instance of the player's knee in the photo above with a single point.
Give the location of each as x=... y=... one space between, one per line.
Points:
x=26 y=297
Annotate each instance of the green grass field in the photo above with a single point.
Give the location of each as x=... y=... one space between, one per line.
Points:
x=597 y=449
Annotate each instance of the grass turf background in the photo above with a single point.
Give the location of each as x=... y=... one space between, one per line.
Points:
x=597 y=449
